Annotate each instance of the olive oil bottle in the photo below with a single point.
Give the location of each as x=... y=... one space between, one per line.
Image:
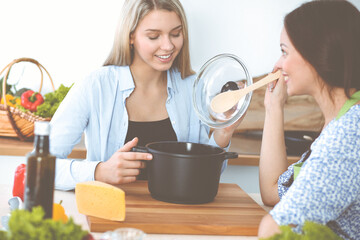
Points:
x=40 y=172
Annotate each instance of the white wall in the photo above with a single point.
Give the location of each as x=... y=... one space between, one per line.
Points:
x=72 y=38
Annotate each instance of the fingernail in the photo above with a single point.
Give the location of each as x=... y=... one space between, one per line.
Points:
x=149 y=156
x=271 y=87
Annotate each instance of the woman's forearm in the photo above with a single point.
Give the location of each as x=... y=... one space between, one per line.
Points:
x=273 y=159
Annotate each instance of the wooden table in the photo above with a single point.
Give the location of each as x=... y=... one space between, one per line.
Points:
x=247 y=147
x=233 y=212
x=68 y=198
x=69 y=203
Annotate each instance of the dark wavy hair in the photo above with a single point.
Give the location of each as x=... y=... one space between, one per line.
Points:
x=327 y=35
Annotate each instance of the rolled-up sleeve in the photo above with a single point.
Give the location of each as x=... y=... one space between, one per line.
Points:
x=69 y=172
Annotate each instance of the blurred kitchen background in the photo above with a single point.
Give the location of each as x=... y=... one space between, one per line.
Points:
x=73 y=38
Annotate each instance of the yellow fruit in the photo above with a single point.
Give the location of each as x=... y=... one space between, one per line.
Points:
x=17 y=101
x=59 y=213
x=11 y=100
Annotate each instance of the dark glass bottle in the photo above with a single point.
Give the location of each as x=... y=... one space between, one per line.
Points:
x=40 y=172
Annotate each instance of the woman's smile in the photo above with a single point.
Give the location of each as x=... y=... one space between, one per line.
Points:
x=165 y=58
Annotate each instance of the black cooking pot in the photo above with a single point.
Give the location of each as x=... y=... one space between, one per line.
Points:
x=182 y=172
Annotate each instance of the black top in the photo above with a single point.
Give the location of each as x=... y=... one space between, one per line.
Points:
x=149 y=132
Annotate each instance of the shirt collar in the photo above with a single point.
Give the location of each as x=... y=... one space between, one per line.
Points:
x=125 y=78
x=127 y=81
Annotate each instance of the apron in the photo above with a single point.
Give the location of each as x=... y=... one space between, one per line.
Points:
x=344 y=109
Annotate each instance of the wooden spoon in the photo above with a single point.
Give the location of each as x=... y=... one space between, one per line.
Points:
x=226 y=100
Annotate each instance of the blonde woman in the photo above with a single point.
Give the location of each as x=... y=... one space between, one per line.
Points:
x=142 y=94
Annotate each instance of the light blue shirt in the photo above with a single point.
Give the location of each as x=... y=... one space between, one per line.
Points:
x=96 y=106
x=327 y=189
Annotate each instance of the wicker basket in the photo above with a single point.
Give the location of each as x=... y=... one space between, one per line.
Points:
x=14 y=122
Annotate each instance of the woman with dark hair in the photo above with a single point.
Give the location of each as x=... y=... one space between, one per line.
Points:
x=320 y=45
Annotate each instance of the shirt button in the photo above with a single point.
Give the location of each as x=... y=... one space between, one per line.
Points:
x=168 y=101
x=173 y=122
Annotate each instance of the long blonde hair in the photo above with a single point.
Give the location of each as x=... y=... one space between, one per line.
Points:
x=132 y=13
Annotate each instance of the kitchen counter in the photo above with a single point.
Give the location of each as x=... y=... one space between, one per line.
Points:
x=15 y=147
x=247 y=147
x=69 y=204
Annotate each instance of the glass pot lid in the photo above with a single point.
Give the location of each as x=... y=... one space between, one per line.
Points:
x=224 y=72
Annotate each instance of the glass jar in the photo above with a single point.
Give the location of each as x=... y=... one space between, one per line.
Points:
x=123 y=234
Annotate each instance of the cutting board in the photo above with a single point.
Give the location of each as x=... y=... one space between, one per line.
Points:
x=233 y=212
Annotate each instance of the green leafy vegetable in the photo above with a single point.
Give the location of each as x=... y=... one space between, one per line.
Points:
x=3 y=235
x=21 y=108
x=311 y=231
x=52 y=101
x=8 y=87
x=26 y=225
x=19 y=92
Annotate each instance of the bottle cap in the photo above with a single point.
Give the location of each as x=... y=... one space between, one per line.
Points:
x=42 y=128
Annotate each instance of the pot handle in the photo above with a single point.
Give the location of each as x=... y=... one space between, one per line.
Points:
x=230 y=155
x=139 y=149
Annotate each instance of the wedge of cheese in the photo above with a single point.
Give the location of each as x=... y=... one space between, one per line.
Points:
x=101 y=200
